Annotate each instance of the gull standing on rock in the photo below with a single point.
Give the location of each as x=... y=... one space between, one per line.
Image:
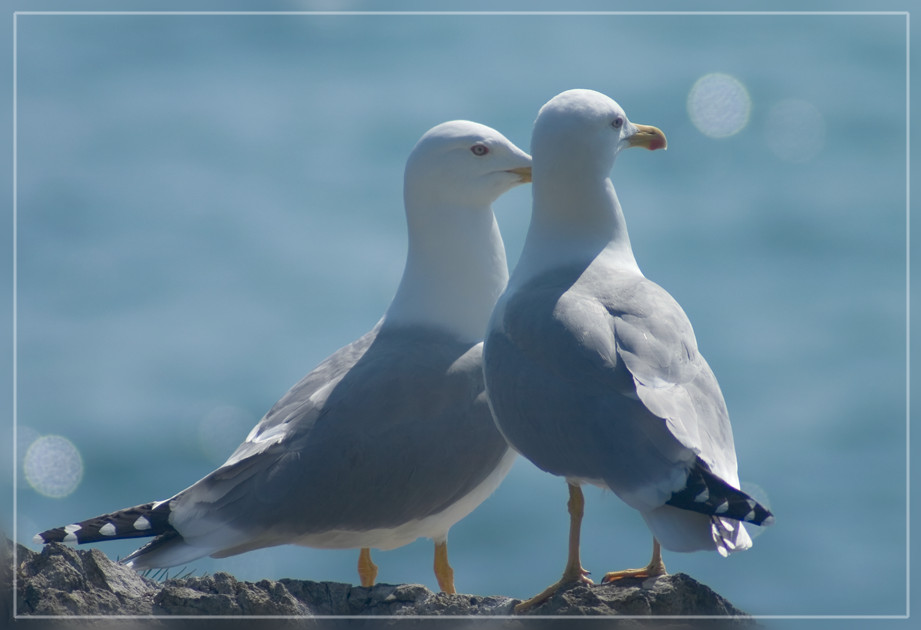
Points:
x=390 y=438
x=592 y=370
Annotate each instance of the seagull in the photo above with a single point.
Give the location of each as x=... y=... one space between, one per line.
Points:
x=593 y=371
x=390 y=438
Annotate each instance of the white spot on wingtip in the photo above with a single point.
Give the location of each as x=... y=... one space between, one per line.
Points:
x=70 y=538
x=107 y=530
x=768 y=521
x=74 y=527
x=750 y=516
x=722 y=507
x=38 y=540
x=141 y=523
x=703 y=496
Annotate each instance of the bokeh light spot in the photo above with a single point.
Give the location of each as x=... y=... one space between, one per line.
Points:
x=719 y=105
x=795 y=130
x=53 y=466
x=221 y=430
x=760 y=495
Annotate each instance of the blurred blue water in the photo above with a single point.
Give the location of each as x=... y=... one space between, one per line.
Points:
x=210 y=205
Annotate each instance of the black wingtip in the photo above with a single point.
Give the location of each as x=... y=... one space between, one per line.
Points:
x=708 y=494
x=140 y=521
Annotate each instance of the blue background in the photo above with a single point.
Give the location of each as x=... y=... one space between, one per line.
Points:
x=210 y=205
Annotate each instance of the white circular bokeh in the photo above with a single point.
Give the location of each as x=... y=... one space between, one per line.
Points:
x=760 y=495
x=795 y=130
x=53 y=466
x=719 y=105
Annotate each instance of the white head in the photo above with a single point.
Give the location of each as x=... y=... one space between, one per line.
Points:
x=463 y=163
x=584 y=130
x=455 y=266
x=576 y=215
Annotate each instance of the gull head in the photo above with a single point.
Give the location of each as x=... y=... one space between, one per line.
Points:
x=586 y=130
x=462 y=163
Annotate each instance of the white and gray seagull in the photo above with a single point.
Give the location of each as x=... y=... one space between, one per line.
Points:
x=390 y=438
x=593 y=371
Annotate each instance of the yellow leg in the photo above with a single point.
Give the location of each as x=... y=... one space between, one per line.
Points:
x=655 y=567
x=367 y=570
x=573 y=573
x=443 y=571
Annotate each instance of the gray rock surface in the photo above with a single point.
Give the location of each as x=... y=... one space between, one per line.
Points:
x=62 y=581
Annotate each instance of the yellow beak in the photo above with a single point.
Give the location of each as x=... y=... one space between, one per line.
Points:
x=649 y=137
x=524 y=173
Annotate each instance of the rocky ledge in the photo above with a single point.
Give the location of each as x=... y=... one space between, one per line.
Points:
x=62 y=581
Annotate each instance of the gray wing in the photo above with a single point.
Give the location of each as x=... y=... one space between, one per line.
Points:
x=299 y=408
x=598 y=377
x=400 y=434
x=657 y=345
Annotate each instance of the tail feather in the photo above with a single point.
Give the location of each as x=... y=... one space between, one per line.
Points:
x=166 y=550
x=149 y=519
x=729 y=536
x=708 y=494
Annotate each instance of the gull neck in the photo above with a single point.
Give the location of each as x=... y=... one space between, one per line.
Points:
x=575 y=219
x=455 y=270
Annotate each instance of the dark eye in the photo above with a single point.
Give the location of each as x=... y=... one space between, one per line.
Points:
x=618 y=122
x=479 y=149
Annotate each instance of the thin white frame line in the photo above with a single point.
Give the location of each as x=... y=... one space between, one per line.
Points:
x=907 y=16
x=471 y=13
x=907 y=314
x=15 y=315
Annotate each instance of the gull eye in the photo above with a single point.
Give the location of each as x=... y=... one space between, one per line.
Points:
x=479 y=149
x=618 y=122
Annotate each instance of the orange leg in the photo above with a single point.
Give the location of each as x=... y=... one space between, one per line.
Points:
x=367 y=570
x=655 y=567
x=573 y=573
x=443 y=571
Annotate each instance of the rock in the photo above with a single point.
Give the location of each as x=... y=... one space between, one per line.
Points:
x=221 y=594
x=62 y=581
x=6 y=579
x=672 y=595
